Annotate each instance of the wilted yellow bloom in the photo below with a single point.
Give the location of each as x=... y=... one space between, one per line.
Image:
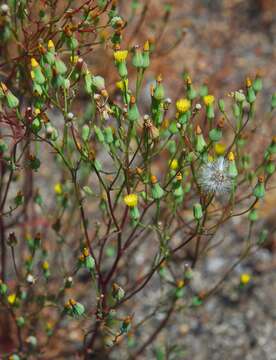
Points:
x=58 y=188
x=120 y=55
x=220 y=148
x=245 y=278
x=183 y=105
x=11 y=298
x=208 y=99
x=34 y=63
x=174 y=164
x=131 y=200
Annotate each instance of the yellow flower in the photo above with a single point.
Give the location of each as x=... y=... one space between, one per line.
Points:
x=34 y=63
x=131 y=200
x=58 y=188
x=208 y=99
x=120 y=55
x=12 y=298
x=174 y=164
x=51 y=45
x=245 y=278
x=231 y=156
x=220 y=148
x=45 y=265
x=37 y=111
x=183 y=105
x=74 y=59
x=122 y=85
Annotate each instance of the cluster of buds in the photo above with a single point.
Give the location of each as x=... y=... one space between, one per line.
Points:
x=86 y=260
x=74 y=308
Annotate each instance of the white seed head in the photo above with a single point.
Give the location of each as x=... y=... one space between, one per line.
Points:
x=214 y=177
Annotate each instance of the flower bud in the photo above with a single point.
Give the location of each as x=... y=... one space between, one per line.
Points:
x=197 y=209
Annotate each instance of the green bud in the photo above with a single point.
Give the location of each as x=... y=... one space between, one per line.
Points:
x=134 y=213
x=159 y=92
x=88 y=82
x=251 y=97
x=60 y=66
x=122 y=69
x=12 y=100
x=253 y=215
x=49 y=58
x=236 y=111
x=183 y=118
x=99 y=134
x=203 y=90
x=118 y=293
x=263 y=236
x=232 y=169
x=85 y=132
x=157 y=191
x=36 y=125
x=20 y=321
x=221 y=105
x=37 y=89
x=137 y=60
x=191 y=93
x=257 y=84
x=210 y=112
x=146 y=59
x=19 y=198
x=108 y=135
x=239 y=97
x=98 y=82
x=273 y=101
x=133 y=113
x=197 y=211
x=215 y=134
x=3 y=146
x=173 y=129
x=3 y=288
x=270 y=167
x=200 y=143
x=259 y=190
x=39 y=78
